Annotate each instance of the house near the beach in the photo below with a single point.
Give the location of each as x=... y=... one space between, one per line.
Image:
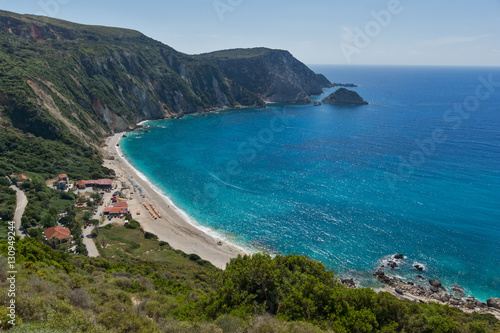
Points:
x=58 y=234
x=117 y=209
x=104 y=184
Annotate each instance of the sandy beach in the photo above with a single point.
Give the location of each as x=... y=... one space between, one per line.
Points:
x=172 y=227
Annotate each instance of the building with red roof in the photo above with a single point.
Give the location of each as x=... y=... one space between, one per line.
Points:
x=117 y=209
x=80 y=184
x=58 y=232
x=100 y=183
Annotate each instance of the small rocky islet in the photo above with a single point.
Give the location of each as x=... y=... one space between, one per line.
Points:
x=344 y=96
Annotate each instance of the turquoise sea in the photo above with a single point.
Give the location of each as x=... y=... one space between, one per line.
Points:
x=415 y=172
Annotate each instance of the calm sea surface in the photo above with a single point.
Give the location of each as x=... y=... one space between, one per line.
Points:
x=415 y=172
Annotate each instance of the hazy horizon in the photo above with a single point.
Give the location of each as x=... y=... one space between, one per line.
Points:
x=384 y=32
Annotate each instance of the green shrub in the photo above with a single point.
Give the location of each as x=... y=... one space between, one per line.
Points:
x=133 y=225
x=149 y=235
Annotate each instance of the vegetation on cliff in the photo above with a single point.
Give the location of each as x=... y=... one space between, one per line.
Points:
x=65 y=293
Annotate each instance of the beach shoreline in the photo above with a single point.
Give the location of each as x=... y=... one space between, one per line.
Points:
x=175 y=227
x=183 y=233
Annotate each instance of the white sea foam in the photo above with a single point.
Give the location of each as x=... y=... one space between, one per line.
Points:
x=185 y=216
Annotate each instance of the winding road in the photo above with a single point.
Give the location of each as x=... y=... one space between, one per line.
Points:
x=21 y=202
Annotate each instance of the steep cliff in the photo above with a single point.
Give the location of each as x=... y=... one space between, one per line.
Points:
x=275 y=75
x=92 y=81
x=61 y=79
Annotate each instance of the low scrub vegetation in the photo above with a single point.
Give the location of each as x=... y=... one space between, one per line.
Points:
x=59 y=292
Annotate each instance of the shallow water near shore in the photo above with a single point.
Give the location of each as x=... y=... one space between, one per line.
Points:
x=349 y=186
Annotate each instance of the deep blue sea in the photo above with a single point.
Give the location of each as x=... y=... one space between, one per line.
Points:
x=417 y=171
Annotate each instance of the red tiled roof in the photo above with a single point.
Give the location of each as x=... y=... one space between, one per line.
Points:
x=80 y=183
x=100 y=182
x=63 y=175
x=22 y=176
x=105 y=182
x=121 y=204
x=59 y=232
x=115 y=210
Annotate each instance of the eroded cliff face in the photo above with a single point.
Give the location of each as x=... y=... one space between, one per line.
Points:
x=275 y=75
x=94 y=81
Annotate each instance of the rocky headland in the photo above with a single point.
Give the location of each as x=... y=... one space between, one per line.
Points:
x=274 y=75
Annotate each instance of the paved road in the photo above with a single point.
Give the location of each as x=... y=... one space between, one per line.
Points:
x=86 y=232
x=21 y=202
x=89 y=242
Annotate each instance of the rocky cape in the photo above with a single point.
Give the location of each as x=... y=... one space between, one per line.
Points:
x=344 y=96
x=426 y=290
x=275 y=75
x=59 y=76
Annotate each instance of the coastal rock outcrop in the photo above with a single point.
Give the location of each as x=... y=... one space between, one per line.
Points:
x=435 y=283
x=493 y=303
x=344 y=96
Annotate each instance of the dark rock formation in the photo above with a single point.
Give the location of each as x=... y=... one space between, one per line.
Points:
x=274 y=75
x=344 y=96
x=398 y=256
x=392 y=264
x=493 y=303
x=349 y=283
x=419 y=267
x=459 y=291
x=435 y=283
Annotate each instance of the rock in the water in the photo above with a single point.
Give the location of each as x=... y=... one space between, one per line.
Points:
x=344 y=96
x=398 y=256
x=434 y=289
x=459 y=291
x=392 y=264
x=419 y=267
x=493 y=303
x=379 y=273
x=420 y=277
x=435 y=283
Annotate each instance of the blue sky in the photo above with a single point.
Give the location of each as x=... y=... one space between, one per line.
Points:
x=407 y=32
